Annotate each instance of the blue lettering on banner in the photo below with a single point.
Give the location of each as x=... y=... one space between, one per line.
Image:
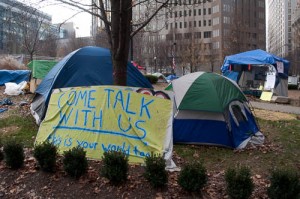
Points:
x=87 y=145
x=145 y=106
x=90 y=115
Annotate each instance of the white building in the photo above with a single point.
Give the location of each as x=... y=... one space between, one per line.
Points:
x=279 y=35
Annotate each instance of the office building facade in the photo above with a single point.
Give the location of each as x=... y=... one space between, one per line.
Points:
x=18 y=21
x=196 y=35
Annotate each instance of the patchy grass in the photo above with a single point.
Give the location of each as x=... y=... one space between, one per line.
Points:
x=20 y=128
x=281 y=149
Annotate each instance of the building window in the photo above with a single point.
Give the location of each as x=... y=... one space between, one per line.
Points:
x=187 y=35
x=209 y=22
x=175 y=14
x=216 y=21
x=216 y=45
x=198 y=35
x=199 y=23
x=209 y=11
x=185 y=24
x=216 y=33
x=204 y=22
x=195 y=23
x=180 y=13
x=195 y=12
x=178 y=36
x=199 y=11
x=180 y=25
x=261 y=4
x=261 y=15
x=204 y=11
x=216 y=9
x=175 y=25
x=226 y=20
x=207 y=34
x=190 y=24
x=185 y=13
x=190 y=12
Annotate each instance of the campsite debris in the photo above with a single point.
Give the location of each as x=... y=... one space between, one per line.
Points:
x=12 y=88
x=22 y=103
x=6 y=101
x=3 y=109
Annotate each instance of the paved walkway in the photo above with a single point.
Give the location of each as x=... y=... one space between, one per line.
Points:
x=276 y=107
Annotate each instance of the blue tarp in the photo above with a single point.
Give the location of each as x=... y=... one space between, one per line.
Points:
x=255 y=57
x=86 y=66
x=16 y=76
x=171 y=77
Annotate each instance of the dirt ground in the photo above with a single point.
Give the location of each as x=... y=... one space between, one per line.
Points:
x=30 y=182
x=294 y=94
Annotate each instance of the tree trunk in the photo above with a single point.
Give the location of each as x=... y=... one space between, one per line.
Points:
x=120 y=32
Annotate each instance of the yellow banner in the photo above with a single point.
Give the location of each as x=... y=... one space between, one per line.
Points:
x=102 y=118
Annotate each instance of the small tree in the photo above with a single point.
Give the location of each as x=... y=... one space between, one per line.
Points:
x=46 y=154
x=75 y=162
x=285 y=184
x=193 y=176
x=155 y=171
x=239 y=183
x=14 y=154
x=115 y=167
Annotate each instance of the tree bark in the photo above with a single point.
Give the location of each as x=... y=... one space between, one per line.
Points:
x=120 y=32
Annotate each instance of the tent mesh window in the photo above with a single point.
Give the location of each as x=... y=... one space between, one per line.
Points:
x=238 y=113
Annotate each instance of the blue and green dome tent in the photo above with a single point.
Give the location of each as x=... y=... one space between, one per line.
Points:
x=86 y=66
x=211 y=109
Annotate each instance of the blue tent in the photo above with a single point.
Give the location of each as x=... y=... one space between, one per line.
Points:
x=255 y=57
x=84 y=67
x=249 y=69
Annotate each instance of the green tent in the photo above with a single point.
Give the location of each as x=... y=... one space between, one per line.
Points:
x=40 y=68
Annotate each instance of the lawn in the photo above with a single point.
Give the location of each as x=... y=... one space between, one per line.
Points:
x=281 y=148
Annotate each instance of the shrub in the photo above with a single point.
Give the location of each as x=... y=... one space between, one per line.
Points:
x=155 y=171
x=75 y=162
x=152 y=79
x=239 y=183
x=46 y=154
x=115 y=167
x=13 y=154
x=192 y=177
x=284 y=185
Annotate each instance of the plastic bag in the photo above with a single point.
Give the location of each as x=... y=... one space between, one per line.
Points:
x=12 y=88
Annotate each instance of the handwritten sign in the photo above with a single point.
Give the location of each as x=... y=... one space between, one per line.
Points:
x=103 y=118
x=280 y=67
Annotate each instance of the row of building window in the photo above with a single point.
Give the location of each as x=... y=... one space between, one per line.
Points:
x=189 y=35
x=188 y=2
x=188 y=24
x=185 y=13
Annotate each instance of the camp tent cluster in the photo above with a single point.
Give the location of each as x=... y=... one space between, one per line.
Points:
x=207 y=108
